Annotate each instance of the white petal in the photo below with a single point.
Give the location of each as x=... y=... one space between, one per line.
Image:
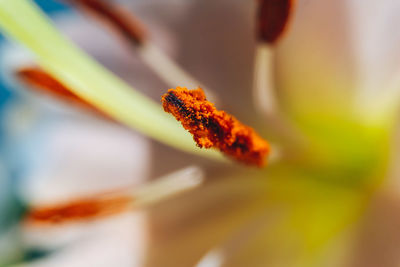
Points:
x=374 y=26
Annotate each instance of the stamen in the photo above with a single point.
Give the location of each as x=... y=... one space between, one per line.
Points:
x=44 y=82
x=121 y=21
x=272 y=20
x=108 y=204
x=273 y=17
x=131 y=29
x=213 y=128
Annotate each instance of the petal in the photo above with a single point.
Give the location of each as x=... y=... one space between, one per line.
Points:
x=316 y=71
x=376 y=40
x=378 y=234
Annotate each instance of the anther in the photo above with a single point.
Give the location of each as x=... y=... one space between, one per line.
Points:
x=44 y=82
x=273 y=17
x=117 y=201
x=79 y=210
x=212 y=128
x=120 y=20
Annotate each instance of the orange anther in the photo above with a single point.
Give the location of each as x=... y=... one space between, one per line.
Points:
x=215 y=128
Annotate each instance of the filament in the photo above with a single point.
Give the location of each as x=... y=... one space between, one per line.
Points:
x=263 y=85
x=169 y=71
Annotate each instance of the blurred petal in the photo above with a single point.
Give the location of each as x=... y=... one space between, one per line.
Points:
x=317 y=77
x=379 y=234
x=75 y=160
x=119 y=241
x=282 y=219
x=376 y=40
x=316 y=68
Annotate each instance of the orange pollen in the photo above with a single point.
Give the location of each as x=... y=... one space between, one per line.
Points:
x=215 y=128
x=42 y=81
x=273 y=17
x=79 y=210
x=117 y=18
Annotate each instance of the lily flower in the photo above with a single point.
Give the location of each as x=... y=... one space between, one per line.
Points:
x=324 y=91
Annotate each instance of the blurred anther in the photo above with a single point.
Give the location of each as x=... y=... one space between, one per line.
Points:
x=79 y=210
x=215 y=128
x=113 y=203
x=119 y=19
x=43 y=82
x=273 y=17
